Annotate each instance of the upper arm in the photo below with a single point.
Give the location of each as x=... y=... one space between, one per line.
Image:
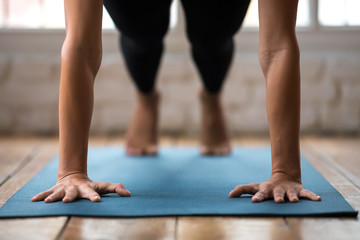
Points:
x=83 y=19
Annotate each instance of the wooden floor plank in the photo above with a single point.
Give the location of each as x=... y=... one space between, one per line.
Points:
x=251 y=141
x=219 y=228
x=332 y=158
x=231 y=227
x=342 y=152
x=325 y=228
x=120 y=228
x=37 y=228
x=98 y=141
x=31 y=228
x=47 y=151
x=320 y=160
x=25 y=228
x=120 y=141
x=320 y=153
x=15 y=152
x=187 y=141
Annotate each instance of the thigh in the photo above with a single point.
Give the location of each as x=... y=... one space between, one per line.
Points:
x=214 y=19
x=142 y=18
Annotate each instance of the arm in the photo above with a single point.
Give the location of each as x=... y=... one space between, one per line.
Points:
x=81 y=57
x=279 y=59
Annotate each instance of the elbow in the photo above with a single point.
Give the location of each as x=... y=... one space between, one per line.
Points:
x=88 y=55
x=285 y=52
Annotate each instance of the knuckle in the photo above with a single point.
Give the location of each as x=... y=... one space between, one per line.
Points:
x=84 y=186
x=266 y=186
x=261 y=194
x=70 y=188
x=292 y=193
x=306 y=191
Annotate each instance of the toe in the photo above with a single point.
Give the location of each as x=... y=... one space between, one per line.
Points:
x=131 y=151
x=222 y=151
x=151 y=150
x=205 y=151
x=226 y=150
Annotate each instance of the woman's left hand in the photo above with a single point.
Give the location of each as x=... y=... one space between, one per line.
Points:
x=278 y=187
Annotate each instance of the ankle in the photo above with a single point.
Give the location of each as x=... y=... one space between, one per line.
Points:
x=151 y=98
x=209 y=98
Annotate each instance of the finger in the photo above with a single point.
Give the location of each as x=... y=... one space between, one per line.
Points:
x=118 y=188
x=279 y=195
x=41 y=196
x=251 y=188
x=90 y=194
x=310 y=195
x=70 y=195
x=260 y=196
x=56 y=196
x=122 y=191
x=292 y=195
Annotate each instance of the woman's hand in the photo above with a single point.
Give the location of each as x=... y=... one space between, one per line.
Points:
x=78 y=185
x=277 y=187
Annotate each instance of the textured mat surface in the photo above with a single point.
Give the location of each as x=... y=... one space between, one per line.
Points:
x=177 y=182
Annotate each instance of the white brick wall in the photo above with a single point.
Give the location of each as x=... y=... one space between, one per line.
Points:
x=330 y=91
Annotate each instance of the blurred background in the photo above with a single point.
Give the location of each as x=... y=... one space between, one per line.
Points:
x=32 y=32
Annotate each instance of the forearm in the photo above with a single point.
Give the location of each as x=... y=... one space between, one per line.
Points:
x=279 y=60
x=75 y=108
x=282 y=73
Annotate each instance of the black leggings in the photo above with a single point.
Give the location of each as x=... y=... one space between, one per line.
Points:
x=210 y=27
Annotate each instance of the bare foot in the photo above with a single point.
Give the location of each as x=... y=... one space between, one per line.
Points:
x=214 y=137
x=141 y=138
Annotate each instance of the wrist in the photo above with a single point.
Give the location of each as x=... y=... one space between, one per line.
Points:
x=287 y=165
x=64 y=174
x=293 y=175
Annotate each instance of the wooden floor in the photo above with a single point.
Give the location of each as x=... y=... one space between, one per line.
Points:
x=338 y=159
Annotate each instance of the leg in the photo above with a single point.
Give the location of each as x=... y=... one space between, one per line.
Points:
x=143 y=25
x=211 y=26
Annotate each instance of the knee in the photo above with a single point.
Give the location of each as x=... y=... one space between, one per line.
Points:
x=215 y=41
x=145 y=36
x=142 y=43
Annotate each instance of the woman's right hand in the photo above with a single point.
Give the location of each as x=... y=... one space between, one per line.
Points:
x=78 y=185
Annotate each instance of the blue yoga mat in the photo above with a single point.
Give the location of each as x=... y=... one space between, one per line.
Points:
x=177 y=182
